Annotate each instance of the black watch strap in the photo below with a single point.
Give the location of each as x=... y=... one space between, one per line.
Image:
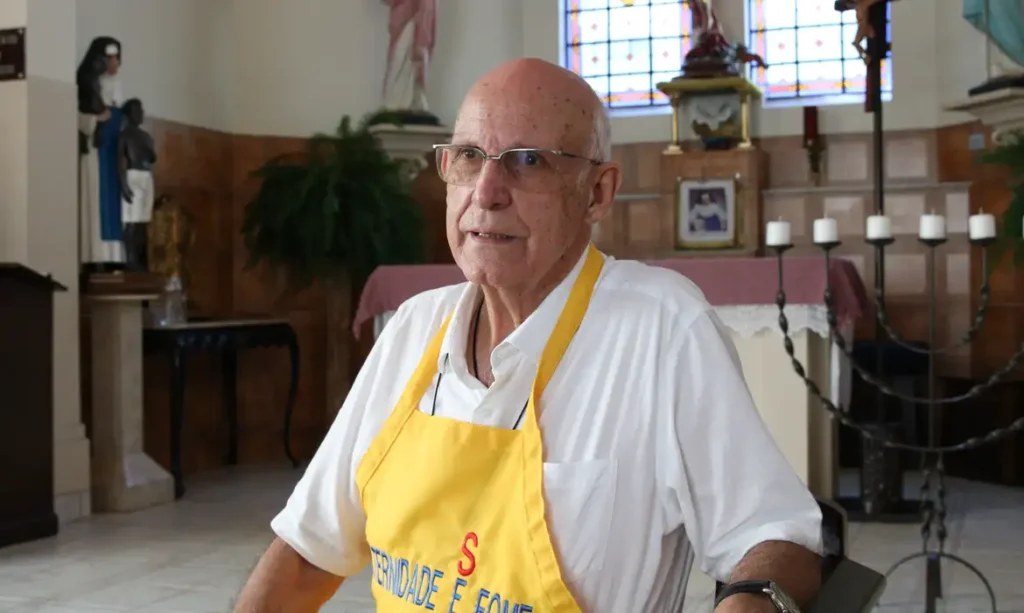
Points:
x=768 y=589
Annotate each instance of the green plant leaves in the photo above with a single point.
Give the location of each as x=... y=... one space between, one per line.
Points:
x=1011 y=228
x=339 y=209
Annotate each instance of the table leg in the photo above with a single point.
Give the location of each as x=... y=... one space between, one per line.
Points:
x=177 y=417
x=229 y=382
x=293 y=389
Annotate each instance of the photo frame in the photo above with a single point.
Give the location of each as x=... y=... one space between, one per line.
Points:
x=706 y=214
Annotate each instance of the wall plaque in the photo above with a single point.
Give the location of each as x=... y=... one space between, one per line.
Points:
x=12 y=54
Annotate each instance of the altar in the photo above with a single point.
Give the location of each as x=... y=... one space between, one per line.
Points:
x=742 y=292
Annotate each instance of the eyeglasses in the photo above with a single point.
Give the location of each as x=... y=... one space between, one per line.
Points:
x=529 y=169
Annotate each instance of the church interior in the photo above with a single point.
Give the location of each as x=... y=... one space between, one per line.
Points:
x=170 y=362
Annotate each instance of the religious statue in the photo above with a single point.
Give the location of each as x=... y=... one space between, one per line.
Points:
x=864 y=28
x=136 y=156
x=1002 y=23
x=171 y=236
x=99 y=125
x=744 y=56
x=711 y=54
x=414 y=23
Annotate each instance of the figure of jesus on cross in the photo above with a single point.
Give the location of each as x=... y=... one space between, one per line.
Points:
x=872 y=28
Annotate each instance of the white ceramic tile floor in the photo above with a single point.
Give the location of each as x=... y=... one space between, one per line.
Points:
x=194 y=555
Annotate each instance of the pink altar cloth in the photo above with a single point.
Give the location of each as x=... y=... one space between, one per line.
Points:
x=725 y=282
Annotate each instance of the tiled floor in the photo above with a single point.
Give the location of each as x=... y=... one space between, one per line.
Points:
x=193 y=556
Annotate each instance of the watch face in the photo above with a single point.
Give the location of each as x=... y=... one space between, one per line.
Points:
x=781 y=599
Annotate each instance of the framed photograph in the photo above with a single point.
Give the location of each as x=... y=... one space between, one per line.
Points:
x=706 y=214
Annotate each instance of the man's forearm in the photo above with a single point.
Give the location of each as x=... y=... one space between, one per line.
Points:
x=795 y=569
x=284 y=582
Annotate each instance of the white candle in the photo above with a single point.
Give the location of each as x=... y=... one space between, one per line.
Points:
x=825 y=231
x=982 y=226
x=933 y=227
x=879 y=228
x=777 y=234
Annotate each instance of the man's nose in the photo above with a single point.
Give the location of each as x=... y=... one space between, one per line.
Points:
x=492 y=189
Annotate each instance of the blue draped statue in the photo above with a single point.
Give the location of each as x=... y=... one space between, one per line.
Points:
x=99 y=127
x=1002 y=21
x=110 y=178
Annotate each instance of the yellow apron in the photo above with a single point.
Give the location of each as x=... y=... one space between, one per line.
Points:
x=455 y=510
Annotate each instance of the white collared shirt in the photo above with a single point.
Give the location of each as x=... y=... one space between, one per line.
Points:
x=655 y=452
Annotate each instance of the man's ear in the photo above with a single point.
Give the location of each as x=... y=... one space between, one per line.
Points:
x=603 y=195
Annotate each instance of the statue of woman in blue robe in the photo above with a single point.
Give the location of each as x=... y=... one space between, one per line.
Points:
x=99 y=124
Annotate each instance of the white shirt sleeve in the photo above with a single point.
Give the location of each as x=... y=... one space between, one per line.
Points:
x=726 y=480
x=323 y=519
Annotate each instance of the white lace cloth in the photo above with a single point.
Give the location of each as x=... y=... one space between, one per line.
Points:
x=749 y=320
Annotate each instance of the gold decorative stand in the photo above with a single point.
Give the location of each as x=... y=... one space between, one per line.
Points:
x=689 y=89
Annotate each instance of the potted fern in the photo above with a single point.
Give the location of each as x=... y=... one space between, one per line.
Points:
x=330 y=215
x=1009 y=246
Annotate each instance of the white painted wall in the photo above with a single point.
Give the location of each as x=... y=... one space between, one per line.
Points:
x=326 y=59
x=38 y=208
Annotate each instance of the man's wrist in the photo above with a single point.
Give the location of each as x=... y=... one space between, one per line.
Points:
x=746 y=603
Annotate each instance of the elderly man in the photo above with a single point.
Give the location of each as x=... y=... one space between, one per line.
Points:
x=564 y=432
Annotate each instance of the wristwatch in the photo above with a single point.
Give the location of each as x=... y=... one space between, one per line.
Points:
x=779 y=598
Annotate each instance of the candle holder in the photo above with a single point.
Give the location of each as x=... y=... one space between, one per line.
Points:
x=880 y=242
x=933 y=490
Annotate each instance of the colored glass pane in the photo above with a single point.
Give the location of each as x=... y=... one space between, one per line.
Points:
x=593 y=27
x=820 y=43
x=817 y=13
x=781 y=46
x=629 y=23
x=782 y=15
x=624 y=48
x=808 y=47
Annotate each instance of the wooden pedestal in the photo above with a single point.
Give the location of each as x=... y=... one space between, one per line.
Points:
x=747 y=167
x=26 y=405
x=124 y=478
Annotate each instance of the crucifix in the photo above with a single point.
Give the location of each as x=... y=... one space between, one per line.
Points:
x=872 y=29
x=872 y=44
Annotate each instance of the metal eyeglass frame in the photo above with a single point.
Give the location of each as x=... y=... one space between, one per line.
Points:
x=498 y=156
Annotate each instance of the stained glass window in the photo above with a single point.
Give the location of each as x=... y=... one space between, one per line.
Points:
x=808 y=47
x=624 y=48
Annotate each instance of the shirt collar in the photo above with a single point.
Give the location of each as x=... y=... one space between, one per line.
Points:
x=529 y=338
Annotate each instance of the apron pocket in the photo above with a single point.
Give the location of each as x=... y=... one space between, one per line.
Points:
x=580 y=499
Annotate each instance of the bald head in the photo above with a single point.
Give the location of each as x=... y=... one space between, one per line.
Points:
x=557 y=100
x=518 y=224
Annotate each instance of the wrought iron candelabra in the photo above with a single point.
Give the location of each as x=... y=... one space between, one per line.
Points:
x=933 y=489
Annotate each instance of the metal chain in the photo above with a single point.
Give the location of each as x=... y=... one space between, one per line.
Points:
x=968 y=336
x=979 y=316
x=927 y=508
x=840 y=343
x=940 y=511
x=843 y=418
